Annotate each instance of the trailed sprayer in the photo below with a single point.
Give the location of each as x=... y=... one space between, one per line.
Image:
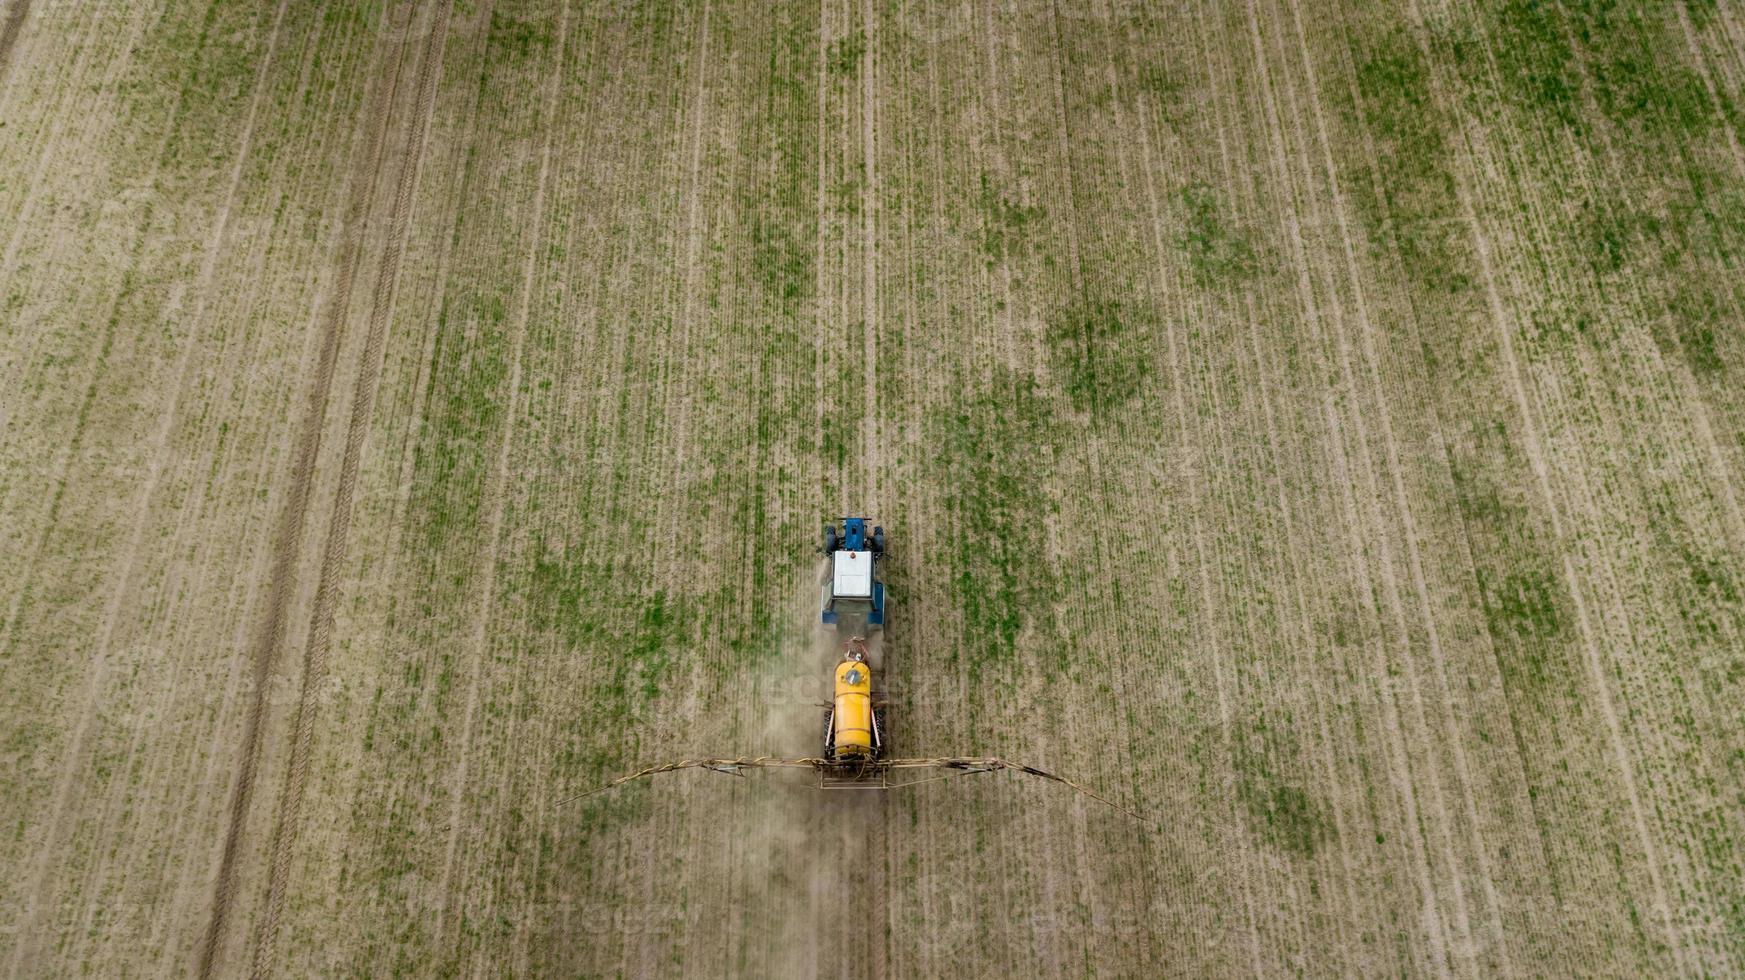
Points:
x=855 y=606
x=855 y=749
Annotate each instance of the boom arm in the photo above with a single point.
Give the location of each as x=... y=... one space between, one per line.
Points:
x=958 y=765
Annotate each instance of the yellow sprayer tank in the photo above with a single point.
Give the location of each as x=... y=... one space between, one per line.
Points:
x=854 y=714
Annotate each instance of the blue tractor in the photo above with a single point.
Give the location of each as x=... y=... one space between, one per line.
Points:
x=855 y=604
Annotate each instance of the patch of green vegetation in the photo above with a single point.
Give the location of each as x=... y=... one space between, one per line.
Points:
x=845 y=195
x=781 y=261
x=845 y=54
x=777 y=200
x=1004 y=223
x=1167 y=92
x=1102 y=351
x=190 y=81
x=514 y=38
x=1526 y=611
x=1628 y=46
x=1535 y=64
x=1619 y=51
x=1281 y=812
x=1711 y=576
x=1636 y=88
x=1218 y=252
x=587 y=611
x=1611 y=236
x=651 y=644
x=1712 y=595
x=1343 y=626
x=1687 y=332
x=1706 y=583
x=1701 y=13
x=1527 y=604
x=1626 y=66
x=1557 y=322
x=465 y=410
x=991 y=452
x=836 y=434
x=1159 y=82
x=1406 y=194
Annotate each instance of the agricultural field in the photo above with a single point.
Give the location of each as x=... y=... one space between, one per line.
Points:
x=1316 y=427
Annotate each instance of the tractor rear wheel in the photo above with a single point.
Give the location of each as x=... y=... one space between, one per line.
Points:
x=879 y=540
x=829 y=539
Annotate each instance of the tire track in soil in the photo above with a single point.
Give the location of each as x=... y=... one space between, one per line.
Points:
x=281 y=580
x=10 y=28
x=675 y=398
x=315 y=652
x=878 y=883
x=155 y=467
x=261 y=466
x=869 y=309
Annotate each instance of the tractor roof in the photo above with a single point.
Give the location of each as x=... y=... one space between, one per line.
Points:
x=852 y=575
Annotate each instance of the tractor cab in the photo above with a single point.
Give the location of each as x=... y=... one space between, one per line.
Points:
x=855 y=602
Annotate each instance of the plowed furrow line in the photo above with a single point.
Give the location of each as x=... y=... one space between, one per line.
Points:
x=420 y=383
x=1467 y=559
x=1698 y=60
x=871 y=443
x=1519 y=267
x=1295 y=547
x=288 y=535
x=1194 y=437
x=1251 y=190
x=1693 y=405
x=993 y=158
x=1368 y=534
x=333 y=555
x=212 y=758
x=676 y=394
x=1244 y=180
x=1150 y=161
x=430 y=306
x=820 y=279
x=1677 y=760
